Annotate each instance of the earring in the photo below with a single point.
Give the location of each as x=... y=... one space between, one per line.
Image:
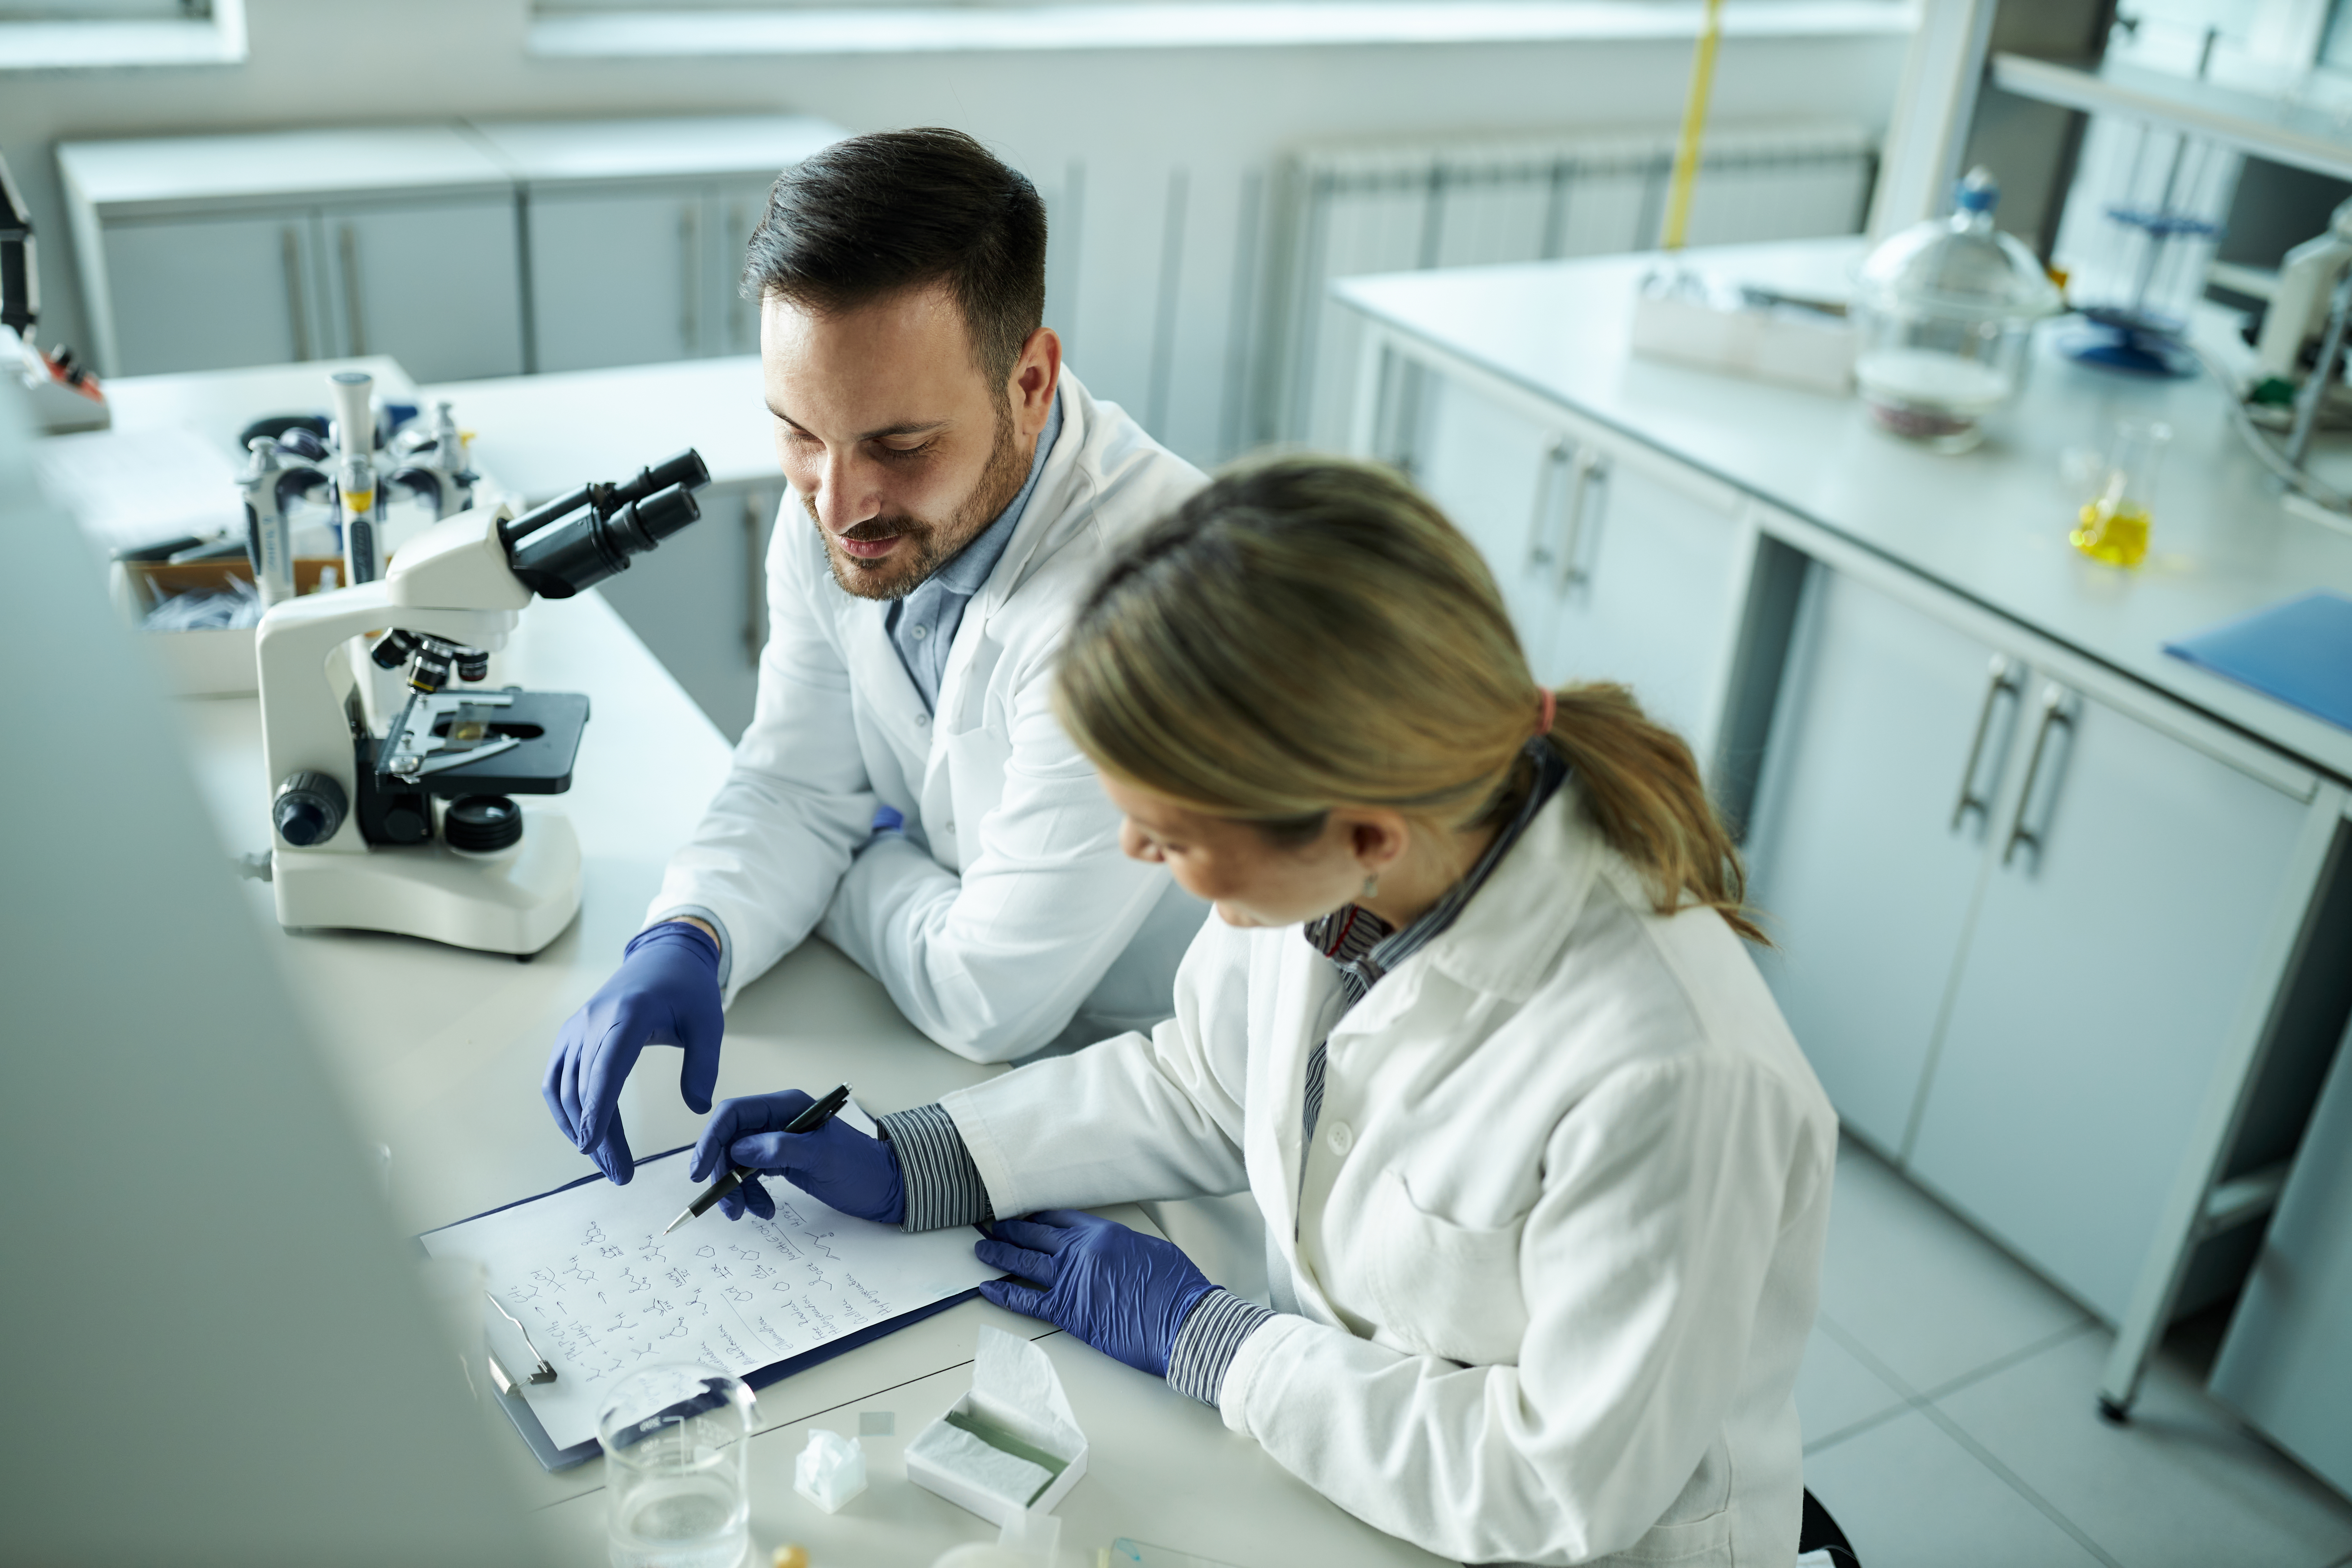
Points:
x=1371 y=889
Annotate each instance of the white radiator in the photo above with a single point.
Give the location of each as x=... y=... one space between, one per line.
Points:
x=1343 y=211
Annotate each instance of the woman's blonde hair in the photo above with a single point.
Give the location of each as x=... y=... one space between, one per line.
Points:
x=1308 y=634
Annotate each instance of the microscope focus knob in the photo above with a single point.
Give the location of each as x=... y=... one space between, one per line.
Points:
x=308 y=808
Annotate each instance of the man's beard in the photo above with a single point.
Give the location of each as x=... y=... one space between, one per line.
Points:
x=927 y=545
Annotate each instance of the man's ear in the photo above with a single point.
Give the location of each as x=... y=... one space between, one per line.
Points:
x=1036 y=376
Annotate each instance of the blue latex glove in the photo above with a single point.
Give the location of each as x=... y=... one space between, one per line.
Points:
x=1123 y=1292
x=666 y=993
x=836 y=1164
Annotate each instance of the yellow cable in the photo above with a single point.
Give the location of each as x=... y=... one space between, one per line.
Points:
x=1678 y=193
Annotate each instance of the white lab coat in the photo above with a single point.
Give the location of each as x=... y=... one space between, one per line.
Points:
x=1555 y=1259
x=1005 y=911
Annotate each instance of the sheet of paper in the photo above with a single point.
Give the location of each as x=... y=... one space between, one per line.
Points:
x=601 y=1291
x=134 y=487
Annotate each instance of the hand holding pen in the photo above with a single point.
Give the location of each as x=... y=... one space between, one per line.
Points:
x=791 y=1135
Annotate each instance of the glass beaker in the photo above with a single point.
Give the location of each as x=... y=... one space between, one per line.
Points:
x=2112 y=526
x=677 y=1463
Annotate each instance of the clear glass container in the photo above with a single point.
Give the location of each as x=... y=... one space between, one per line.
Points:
x=677 y=1467
x=1946 y=311
x=2113 y=524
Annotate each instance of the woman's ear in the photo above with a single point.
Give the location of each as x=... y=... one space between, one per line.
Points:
x=1378 y=839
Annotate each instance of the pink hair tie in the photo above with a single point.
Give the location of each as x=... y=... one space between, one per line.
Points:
x=1550 y=703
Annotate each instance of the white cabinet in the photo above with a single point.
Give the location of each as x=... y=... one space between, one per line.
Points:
x=207 y=252
x=2015 y=925
x=2118 y=935
x=208 y=293
x=631 y=275
x=637 y=228
x=1865 y=853
x=436 y=286
x=462 y=252
x=1616 y=565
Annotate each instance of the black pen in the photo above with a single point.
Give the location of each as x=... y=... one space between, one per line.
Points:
x=808 y=1121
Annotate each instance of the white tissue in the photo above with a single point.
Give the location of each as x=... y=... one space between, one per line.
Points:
x=830 y=1470
x=1014 y=1385
x=992 y=1469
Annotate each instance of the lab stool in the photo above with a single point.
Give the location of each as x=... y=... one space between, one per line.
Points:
x=1816 y=1531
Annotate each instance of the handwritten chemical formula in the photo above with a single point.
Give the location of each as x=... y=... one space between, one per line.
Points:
x=601 y=1291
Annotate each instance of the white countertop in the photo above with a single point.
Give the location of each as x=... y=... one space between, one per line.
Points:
x=1989 y=525
x=157 y=175
x=716 y=145
x=542 y=435
x=438 y=1053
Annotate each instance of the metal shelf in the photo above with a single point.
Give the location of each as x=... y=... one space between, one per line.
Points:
x=2319 y=140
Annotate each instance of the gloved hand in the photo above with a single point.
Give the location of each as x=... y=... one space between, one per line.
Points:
x=1123 y=1292
x=836 y=1164
x=666 y=993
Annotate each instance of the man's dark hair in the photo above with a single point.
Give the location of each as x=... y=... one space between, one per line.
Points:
x=899 y=209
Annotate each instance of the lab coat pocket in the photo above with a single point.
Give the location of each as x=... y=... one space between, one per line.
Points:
x=1689 y=1544
x=1444 y=1288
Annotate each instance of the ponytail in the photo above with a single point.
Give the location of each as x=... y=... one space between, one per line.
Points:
x=1643 y=788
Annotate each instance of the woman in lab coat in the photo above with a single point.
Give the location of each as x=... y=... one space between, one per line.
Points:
x=1545 y=1176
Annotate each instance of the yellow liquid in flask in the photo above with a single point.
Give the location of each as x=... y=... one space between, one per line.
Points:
x=2113 y=532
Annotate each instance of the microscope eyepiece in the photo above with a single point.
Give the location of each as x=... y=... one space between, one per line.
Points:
x=578 y=540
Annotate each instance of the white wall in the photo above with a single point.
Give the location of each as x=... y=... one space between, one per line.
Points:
x=1146 y=134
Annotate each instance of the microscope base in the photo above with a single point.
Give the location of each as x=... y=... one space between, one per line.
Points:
x=515 y=901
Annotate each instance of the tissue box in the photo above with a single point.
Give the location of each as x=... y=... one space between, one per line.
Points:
x=1010 y=1432
x=1713 y=325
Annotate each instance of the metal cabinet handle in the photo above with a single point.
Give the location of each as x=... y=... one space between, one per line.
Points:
x=1591 y=474
x=2057 y=710
x=290 y=248
x=689 y=309
x=1556 y=451
x=737 y=236
x=2004 y=682
x=755 y=579
x=348 y=243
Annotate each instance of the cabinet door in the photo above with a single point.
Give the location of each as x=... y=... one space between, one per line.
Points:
x=2117 y=939
x=737 y=209
x=616 y=276
x=1497 y=474
x=1650 y=562
x=438 y=288
x=2287 y=1362
x=212 y=293
x=1865 y=853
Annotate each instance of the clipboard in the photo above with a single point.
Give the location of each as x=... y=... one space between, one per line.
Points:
x=526 y=1421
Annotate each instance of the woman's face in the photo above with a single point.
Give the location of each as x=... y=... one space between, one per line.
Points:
x=1251 y=879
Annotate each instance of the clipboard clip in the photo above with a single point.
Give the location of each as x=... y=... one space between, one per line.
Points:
x=540 y=1373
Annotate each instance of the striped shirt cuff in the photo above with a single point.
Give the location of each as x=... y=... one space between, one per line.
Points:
x=1205 y=1345
x=943 y=1186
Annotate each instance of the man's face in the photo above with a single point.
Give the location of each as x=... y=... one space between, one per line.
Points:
x=898 y=445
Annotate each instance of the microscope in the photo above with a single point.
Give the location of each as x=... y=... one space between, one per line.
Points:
x=415 y=829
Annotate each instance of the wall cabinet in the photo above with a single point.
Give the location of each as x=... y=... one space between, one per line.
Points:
x=463 y=251
x=1615 y=564
x=433 y=285
x=2016 y=924
x=633 y=276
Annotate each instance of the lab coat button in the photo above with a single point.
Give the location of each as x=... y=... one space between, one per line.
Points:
x=922 y=721
x=1342 y=1137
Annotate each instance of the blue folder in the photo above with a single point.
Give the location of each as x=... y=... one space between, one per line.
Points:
x=2299 y=652
x=542 y=1446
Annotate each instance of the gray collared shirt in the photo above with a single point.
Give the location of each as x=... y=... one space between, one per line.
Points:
x=922 y=625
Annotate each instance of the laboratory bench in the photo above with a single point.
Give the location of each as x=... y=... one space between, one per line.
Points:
x=437 y=1052
x=2059 y=920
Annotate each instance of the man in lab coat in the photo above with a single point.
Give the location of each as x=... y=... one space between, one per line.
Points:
x=904 y=788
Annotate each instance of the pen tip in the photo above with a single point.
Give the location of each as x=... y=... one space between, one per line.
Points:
x=676 y=1223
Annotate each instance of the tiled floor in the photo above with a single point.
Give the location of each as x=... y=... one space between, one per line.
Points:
x=1949 y=1419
